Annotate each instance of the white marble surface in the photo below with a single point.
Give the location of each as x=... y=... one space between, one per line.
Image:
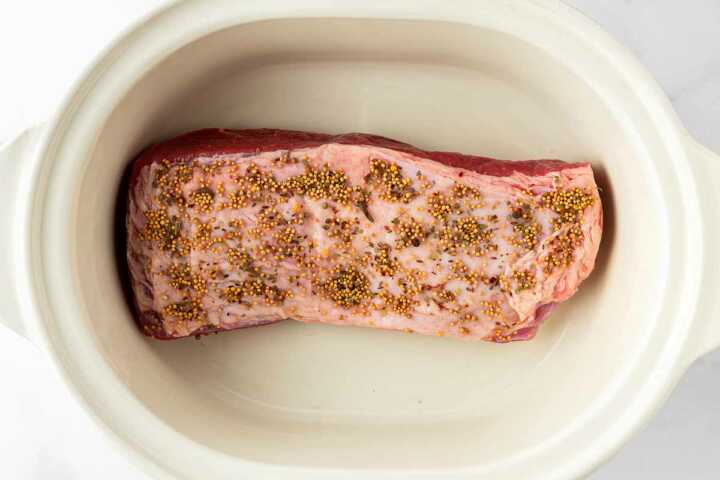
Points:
x=44 y=44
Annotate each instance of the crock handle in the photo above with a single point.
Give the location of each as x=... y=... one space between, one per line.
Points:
x=16 y=162
x=706 y=333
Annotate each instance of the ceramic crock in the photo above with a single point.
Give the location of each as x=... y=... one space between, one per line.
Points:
x=505 y=78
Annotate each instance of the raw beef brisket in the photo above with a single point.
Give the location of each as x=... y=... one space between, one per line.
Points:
x=236 y=228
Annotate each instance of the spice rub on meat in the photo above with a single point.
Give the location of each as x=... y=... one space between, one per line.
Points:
x=235 y=228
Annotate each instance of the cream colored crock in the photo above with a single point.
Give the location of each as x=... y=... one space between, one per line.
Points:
x=505 y=78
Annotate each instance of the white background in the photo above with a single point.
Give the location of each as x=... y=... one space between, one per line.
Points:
x=44 y=44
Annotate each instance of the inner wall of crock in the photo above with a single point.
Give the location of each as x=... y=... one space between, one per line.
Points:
x=321 y=395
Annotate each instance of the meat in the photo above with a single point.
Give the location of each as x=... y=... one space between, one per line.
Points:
x=229 y=229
